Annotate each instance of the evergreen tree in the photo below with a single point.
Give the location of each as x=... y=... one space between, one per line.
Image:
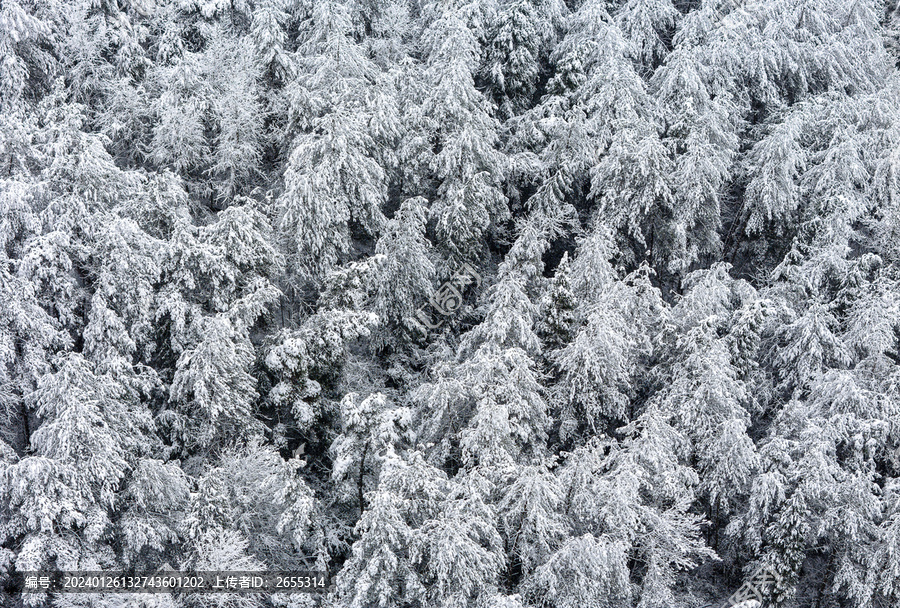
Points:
x=23 y=57
x=461 y=549
x=502 y=398
x=647 y=24
x=371 y=430
x=467 y=165
x=91 y=434
x=256 y=498
x=332 y=177
x=558 y=318
x=408 y=493
x=212 y=382
x=269 y=36
x=220 y=220
x=532 y=523
x=406 y=272
x=603 y=359
x=517 y=40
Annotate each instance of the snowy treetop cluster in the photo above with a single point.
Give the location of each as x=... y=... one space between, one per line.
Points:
x=227 y=228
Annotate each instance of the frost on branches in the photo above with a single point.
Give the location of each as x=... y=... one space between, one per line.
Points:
x=220 y=220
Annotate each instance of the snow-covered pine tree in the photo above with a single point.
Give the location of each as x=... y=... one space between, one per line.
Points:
x=518 y=38
x=466 y=163
x=382 y=569
x=701 y=126
x=252 y=493
x=405 y=274
x=601 y=363
x=705 y=393
x=25 y=62
x=332 y=176
x=460 y=549
x=61 y=500
x=501 y=413
x=626 y=504
x=884 y=563
x=648 y=25
x=270 y=19
x=212 y=391
x=371 y=430
x=532 y=521
x=558 y=320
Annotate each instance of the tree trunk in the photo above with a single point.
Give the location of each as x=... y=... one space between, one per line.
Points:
x=359 y=485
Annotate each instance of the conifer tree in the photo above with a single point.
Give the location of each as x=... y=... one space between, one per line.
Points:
x=91 y=434
x=409 y=492
x=467 y=165
x=332 y=177
x=219 y=220
x=502 y=400
x=405 y=275
x=212 y=382
x=514 y=62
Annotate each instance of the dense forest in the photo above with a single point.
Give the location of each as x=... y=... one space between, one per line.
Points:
x=469 y=303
